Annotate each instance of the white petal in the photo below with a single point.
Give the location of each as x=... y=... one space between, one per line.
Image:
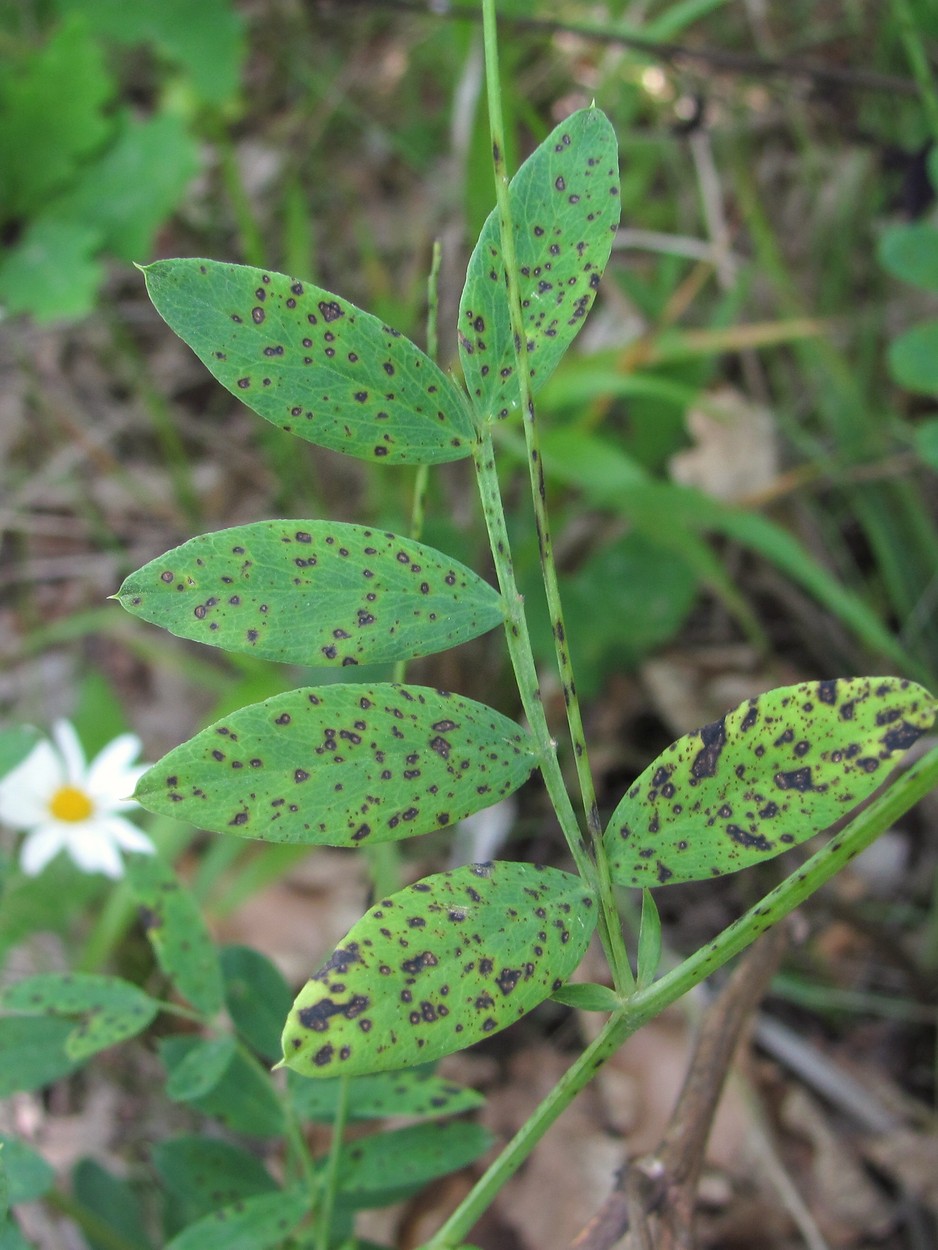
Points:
x=93 y=850
x=73 y=755
x=26 y=791
x=125 y=835
x=42 y=845
x=110 y=775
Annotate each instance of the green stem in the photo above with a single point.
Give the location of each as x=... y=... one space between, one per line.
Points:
x=648 y=1003
x=614 y=942
x=331 y=1179
x=918 y=61
x=525 y=670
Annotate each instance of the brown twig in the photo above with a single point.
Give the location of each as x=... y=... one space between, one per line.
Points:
x=655 y=1196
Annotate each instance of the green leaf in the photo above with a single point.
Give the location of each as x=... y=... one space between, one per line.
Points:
x=28 y=1175
x=257 y=997
x=243 y=1099
x=911 y=253
x=205 y=38
x=32 y=1052
x=771 y=773
x=52 y=102
x=201 y=1069
x=649 y=941
x=112 y=1009
x=115 y=1205
x=177 y=932
x=438 y=966
x=312 y=363
x=586 y=996
x=913 y=358
x=313 y=592
x=11 y=1238
x=412 y=1092
x=129 y=191
x=203 y=1173
x=255 y=1223
x=51 y=273
x=421 y=1153
x=565 y=207
x=339 y=765
x=926 y=447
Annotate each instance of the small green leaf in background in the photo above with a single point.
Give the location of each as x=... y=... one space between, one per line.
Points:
x=11 y=1238
x=565 y=207
x=649 y=941
x=256 y=1223
x=420 y=1153
x=312 y=363
x=41 y=146
x=768 y=775
x=913 y=358
x=926 y=442
x=177 y=932
x=51 y=272
x=204 y=1173
x=412 y=1092
x=112 y=1009
x=206 y=39
x=114 y=1203
x=32 y=1052
x=28 y=1176
x=440 y=965
x=910 y=253
x=201 y=1069
x=313 y=592
x=341 y=765
x=243 y=1099
x=257 y=997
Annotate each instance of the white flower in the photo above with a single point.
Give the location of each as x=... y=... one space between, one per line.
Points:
x=65 y=804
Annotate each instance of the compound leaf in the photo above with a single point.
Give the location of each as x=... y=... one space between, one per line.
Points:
x=768 y=775
x=312 y=363
x=565 y=209
x=112 y=1009
x=177 y=932
x=313 y=592
x=340 y=765
x=438 y=966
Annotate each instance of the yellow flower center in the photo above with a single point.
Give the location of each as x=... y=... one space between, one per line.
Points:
x=70 y=803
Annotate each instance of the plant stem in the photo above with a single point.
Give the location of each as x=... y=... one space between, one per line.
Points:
x=331 y=1179
x=647 y=1003
x=613 y=940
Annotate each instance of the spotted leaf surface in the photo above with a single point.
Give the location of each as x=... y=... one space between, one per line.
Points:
x=110 y=1009
x=565 y=209
x=313 y=592
x=411 y=1092
x=768 y=775
x=342 y=765
x=312 y=363
x=438 y=966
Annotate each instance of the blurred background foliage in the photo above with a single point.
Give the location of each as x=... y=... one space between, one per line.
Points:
x=742 y=449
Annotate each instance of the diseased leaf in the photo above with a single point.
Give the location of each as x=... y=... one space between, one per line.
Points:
x=312 y=363
x=768 y=775
x=32 y=1052
x=313 y=592
x=412 y=1092
x=177 y=932
x=203 y=1173
x=565 y=208
x=255 y=1223
x=421 y=1153
x=438 y=966
x=243 y=1099
x=341 y=765
x=112 y=1009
